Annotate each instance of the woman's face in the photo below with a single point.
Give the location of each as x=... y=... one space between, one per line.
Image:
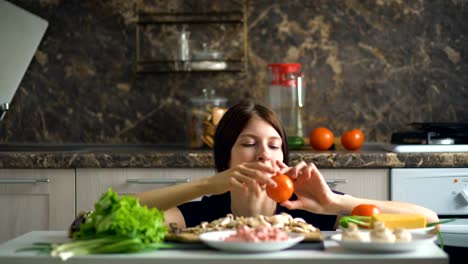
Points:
x=259 y=141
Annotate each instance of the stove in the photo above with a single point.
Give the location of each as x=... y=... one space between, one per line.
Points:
x=431 y=137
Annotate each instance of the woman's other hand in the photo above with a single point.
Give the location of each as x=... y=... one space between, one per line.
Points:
x=310 y=187
x=248 y=177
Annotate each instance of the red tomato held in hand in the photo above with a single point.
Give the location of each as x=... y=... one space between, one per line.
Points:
x=353 y=139
x=365 y=210
x=321 y=138
x=283 y=191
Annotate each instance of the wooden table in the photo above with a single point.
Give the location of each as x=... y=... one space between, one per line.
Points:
x=332 y=253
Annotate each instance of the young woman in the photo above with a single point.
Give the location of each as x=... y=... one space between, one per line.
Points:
x=250 y=147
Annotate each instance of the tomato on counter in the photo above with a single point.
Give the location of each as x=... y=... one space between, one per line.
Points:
x=283 y=191
x=321 y=138
x=353 y=139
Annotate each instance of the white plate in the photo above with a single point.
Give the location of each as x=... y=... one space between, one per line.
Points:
x=418 y=241
x=216 y=240
x=423 y=231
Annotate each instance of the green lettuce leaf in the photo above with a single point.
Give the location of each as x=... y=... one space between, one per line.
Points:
x=123 y=217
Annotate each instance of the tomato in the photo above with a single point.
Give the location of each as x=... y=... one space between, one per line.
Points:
x=353 y=139
x=283 y=191
x=365 y=210
x=321 y=138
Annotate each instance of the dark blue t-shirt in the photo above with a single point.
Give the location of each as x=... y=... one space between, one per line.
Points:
x=213 y=207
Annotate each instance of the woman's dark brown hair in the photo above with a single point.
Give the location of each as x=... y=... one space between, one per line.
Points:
x=234 y=121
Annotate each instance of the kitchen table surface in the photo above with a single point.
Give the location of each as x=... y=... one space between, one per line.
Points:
x=332 y=253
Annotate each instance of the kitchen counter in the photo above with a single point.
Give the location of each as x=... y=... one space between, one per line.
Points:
x=332 y=253
x=149 y=156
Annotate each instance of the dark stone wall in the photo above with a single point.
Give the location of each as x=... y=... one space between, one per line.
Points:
x=374 y=65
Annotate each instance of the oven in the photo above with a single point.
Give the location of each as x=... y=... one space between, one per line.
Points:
x=443 y=190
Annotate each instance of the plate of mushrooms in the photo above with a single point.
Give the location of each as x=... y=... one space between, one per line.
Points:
x=382 y=239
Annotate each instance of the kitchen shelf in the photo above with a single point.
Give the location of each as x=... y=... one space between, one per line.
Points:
x=151 y=59
x=190 y=18
x=164 y=66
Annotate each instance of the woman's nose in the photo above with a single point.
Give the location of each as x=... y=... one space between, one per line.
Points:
x=263 y=155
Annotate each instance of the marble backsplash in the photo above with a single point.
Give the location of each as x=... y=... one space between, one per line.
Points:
x=375 y=65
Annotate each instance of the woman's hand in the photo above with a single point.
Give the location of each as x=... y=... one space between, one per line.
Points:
x=248 y=177
x=245 y=183
x=311 y=189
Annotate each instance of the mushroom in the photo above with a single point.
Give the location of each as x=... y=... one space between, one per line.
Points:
x=352 y=233
x=224 y=221
x=308 y=227
x=380 y=233
x=263 y=221
x=402 y=235
x=283 y=221
x=298 y=220
x=298 y=229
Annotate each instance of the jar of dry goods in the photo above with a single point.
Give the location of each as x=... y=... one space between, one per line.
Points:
x=203 y=115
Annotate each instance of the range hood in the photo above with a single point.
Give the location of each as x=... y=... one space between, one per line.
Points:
x=20 y=34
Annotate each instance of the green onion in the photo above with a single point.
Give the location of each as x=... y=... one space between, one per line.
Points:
x=441 y=222
x=441 y=239
x=364 y=221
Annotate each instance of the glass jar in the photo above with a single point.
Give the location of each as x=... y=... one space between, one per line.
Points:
x=285 y=95
x=202 y=117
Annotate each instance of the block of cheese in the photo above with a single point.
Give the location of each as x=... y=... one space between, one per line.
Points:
x=407 y=221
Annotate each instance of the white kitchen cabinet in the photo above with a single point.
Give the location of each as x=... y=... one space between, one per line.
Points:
x=35 y=199
x=362 y=183
x=44 y=199
x=91 y=183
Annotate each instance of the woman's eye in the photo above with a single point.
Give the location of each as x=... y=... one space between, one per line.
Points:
x=274 y=147
x=248 y=144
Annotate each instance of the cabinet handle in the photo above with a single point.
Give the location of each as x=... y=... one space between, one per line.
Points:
x=333 y=183
x=157 y=181
x=23 y=181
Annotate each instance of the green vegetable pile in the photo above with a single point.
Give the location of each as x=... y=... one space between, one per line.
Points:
x=117 y=225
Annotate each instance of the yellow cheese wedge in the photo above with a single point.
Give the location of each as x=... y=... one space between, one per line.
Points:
x=408 y=221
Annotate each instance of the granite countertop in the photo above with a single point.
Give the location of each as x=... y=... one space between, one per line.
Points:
x=148 y=156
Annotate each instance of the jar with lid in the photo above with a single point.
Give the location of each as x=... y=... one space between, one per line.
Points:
x=202 y=117
x=285 y=95
x=184 y=48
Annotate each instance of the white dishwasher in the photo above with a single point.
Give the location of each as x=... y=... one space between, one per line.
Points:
x=443 y=190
